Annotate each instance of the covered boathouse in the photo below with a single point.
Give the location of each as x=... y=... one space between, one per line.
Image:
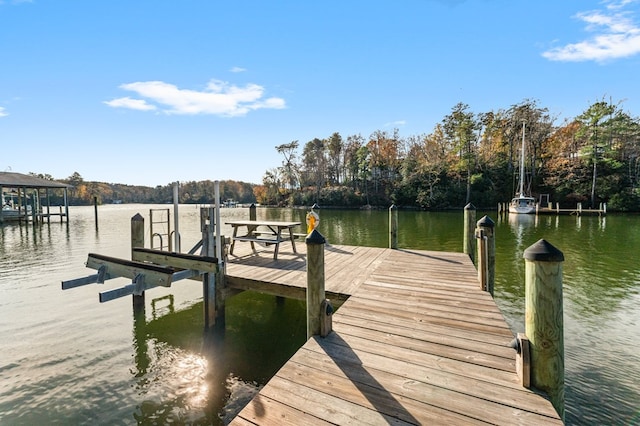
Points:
x=27 y=197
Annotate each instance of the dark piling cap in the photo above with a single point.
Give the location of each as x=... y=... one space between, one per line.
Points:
x=315 y=238
x=485 y=222
x=469 y=207
x=543 y=251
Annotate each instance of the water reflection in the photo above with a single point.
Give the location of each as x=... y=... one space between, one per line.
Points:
x=186 y=375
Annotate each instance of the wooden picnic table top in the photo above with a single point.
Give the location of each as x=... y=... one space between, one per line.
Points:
x=281 y=224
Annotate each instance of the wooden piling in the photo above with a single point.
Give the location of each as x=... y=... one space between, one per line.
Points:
x=393 y=227
x=487 y=226
x=95 y=210
x=176 y=218
x=315 y=283
x=209 y=298
x=544 y=325
x=137 y=240
x=252 y=212
x=469 y=228
x=482 y=263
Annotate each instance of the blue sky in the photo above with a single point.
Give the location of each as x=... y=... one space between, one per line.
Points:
x=151 y=92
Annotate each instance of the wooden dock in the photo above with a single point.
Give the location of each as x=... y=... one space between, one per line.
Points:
x=415 y=342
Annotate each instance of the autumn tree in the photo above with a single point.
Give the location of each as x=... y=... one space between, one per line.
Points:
x=460 y=128
x=314 y=163
x=289 y=169
x=335 y=147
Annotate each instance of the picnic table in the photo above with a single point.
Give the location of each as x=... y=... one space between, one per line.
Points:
x=264 y=232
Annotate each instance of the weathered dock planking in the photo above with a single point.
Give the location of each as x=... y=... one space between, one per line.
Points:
x=416 y=342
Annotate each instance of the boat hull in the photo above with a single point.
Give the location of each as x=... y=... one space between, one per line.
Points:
x=522 y=205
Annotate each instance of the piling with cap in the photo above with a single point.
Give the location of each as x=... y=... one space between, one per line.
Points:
x=544 y=323
x=316 y=309
x=487 y=243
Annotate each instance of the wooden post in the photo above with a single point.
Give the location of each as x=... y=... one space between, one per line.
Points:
x=315 y=283
x=48 y=205
x=137 y=240
x=488 y=230
x=482 y=264
x=66 y=206
x=209 y=297
x=393 y=226
x=469 y=227
x=176 y=218
x=212 y=283
x=252 y=212
x=544 y=325
x=95 y=209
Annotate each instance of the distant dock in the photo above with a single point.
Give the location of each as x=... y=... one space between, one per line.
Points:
x=550 y=209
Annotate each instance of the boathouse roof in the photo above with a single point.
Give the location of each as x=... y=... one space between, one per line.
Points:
x=10 y=179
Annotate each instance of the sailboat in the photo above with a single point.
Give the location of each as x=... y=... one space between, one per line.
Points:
x=522 y=203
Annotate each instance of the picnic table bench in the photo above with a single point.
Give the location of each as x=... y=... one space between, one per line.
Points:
x=264 y=232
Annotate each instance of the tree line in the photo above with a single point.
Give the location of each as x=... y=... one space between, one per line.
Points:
x=83 y=192
x=468 y=157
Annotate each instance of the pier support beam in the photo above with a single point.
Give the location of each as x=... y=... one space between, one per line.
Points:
x=393 y=226
x=137 y=240
x=544 y=324
x=213 y=283
x=469 y=235
x=317 y=309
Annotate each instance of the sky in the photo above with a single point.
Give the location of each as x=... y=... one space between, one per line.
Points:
x=153 y=92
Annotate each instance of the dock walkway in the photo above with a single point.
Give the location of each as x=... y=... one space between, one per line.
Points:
x=416 y=342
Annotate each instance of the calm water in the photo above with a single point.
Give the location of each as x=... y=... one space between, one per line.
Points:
x=67 y=359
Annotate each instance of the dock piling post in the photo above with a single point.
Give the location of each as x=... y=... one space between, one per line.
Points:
x=482 y=264
x=137 y=240
x=487 y=228
x=315 y=283
x=544 y=325
x=393 y=226
x=176 y=217
x=95 y=209
x=469 y=234
x=252 y=212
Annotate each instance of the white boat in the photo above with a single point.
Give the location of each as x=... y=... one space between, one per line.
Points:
x=522 y=203
x=11 y=213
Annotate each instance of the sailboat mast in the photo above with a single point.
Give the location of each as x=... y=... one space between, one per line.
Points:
x=522 y=163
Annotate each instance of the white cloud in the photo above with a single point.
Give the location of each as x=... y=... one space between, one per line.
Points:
x=3 y=112
x=127 y=102
x=615 y=35
x=396 y=123
x=238 y=69
x=218 y=98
